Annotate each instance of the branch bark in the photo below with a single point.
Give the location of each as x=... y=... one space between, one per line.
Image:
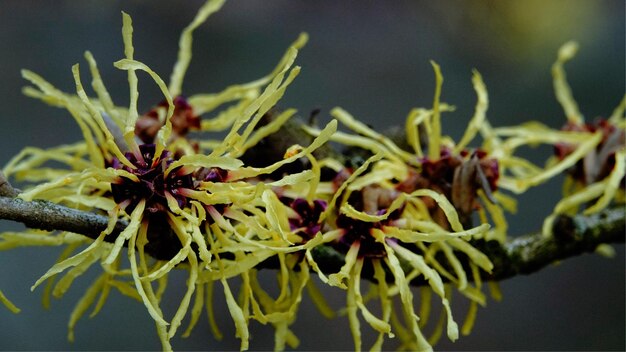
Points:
x=572 y=236
x=44 y=215
x=522 y=255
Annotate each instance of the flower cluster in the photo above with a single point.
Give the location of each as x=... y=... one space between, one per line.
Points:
x=399 y=218
x=592 y=155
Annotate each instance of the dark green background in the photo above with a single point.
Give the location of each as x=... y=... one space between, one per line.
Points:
x=371 y=58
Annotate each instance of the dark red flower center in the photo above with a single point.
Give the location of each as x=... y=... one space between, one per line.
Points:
x=458 y=177
x=307 y=222
x=599 y=163
x=183 y=120
x=153 y=183
x=361 y=231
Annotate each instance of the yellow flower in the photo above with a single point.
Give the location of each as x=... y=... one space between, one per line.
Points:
x=593 y=154
x=201 y=208
x=402 y=212
x=403 y=217
x=469 y=178
x=402 y=238
x=598 y=173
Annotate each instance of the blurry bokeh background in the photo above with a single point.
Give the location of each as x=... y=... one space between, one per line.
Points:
x=371 y=59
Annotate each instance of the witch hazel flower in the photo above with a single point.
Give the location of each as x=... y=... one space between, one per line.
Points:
x=459 y=177
x=183 y=120
x=576 y=141
x=286 y=235
x=306 y=217
x=592 y=154
x=151 y=183
x=597 y=178
x=377 y=239
x=404 y=216
x=399 y=240
x=469 y=177
x=598 y=164
x=198 y=209
x=126 y=179
x=293 y=230
x=435 y=191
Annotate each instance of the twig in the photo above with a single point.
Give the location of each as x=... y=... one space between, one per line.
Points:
x=522 y=255
x=572 y=236
x=44 y=215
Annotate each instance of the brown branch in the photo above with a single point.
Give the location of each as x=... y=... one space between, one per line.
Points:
x=573 y=236
x=44 y=215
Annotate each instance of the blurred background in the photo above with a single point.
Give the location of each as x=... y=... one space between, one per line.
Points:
x=369 y=58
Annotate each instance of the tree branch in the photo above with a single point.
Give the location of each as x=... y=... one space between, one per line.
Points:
x=521 y=255
x=572 y=236
x=44 y=215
